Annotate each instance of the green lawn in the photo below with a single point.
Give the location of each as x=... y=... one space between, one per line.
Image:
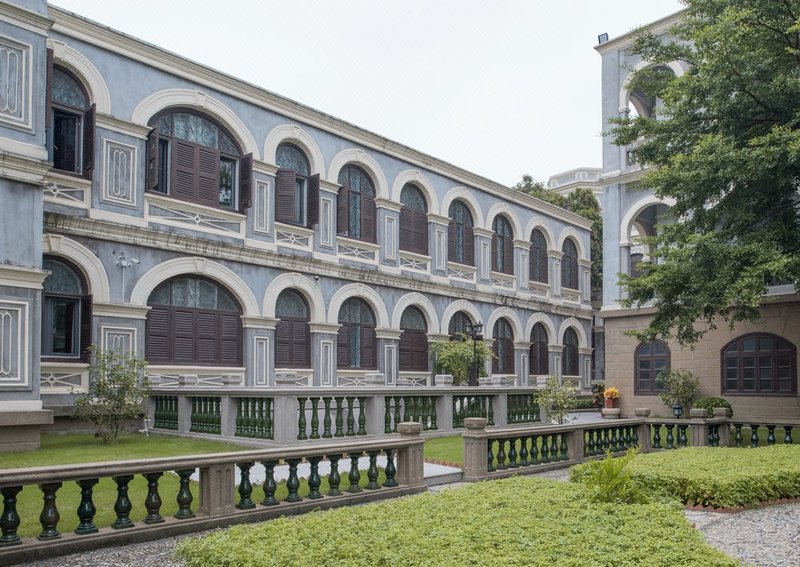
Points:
x=445 y=450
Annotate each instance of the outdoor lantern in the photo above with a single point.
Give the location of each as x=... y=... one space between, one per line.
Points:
x=677 y=411
x=476 y=332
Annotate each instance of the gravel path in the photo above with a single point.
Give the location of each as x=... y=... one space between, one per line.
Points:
x=765 y=537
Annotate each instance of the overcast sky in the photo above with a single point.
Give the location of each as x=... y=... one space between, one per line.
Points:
x=500 y=88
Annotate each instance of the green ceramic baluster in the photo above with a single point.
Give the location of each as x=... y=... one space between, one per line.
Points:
x=406 y=409
x=339 y=418
x=293 y=482
x=554 y=447
x=682 y=441
x=711 y=435
x=362 y=416
x=738 y=437
x=239 y=419
x=770 y=434
x=123 y=504
x=314 y=418
x=670 y=438
x=490 y=417
x=314 y=481
x=501 y=454
x=754 y=436
x=535 y=450
x=434 y=424
x=635 y=435
x=351 y=419
x=86 y=508
x=387 y=415
x=656 y=427
x=512 y=453
x=606 y=441
x=523 y=451
x=301 y=420
x=270 y=421
x=269 y=483
x=245 y=487
x=372 y=471
x=152 y=502
x=613 y=439
x=787 y=439
x=563 y=447
x=49 y=516
x=489 y=455
x=9 y=520
x=326 y=419
x=587 y=442
x=334 y=480
x=184 y=497
x=390 y=471
x=354 y=476
x=545 y=449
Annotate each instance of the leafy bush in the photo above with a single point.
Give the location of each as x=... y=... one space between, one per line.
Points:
x=585 y=403
x=680 y=386
x=517 y=521
x=597 y=392
x=711 y=403
x=458 y=357
x=557 y=399
x=610 y=480
x=116 y=394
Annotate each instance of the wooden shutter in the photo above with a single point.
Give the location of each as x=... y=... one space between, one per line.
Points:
x=469 y=246
x=301 y=342
x=152 y=161
x=184 y=170
x=157 y=335
x=509 y=355
x=88 y=141
x=420 y=351
x=48 y=95
x=230 y=339
x=495 y=255
x=496 y=358
x=343 y=347
x=285 y=190
x=85 y=327
x=368 y=221
x=368 y=347
x=343 y=211
x=207 y=176
x=420 y=232
x=406 y=230
x=451 y=241
x=245 y=182
x=207 y=337
x=283 y=335
x=406 y=351
x=183 y=326
x=508 y=255
x=313 y=201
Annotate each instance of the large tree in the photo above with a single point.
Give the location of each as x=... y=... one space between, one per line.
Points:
x=725 y=144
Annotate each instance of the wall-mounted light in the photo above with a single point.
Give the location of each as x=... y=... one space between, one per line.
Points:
x=124 y=262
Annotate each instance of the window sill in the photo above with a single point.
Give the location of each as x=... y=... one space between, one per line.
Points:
x=166 y=200
x=357 y=243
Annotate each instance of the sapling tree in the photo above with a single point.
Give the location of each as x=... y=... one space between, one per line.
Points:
x=458 y=357
x=557 y=400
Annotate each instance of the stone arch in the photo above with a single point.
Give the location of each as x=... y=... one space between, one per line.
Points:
x=422 y=182
x=91 y=266
x=505 y=210
x=199 y=100
x=507 y=313
x=424 y=304
x=545 y=320
x=68 y=57
x=634 y=211
x=570 y=232
x=677 y=67
x=196 y=266
x=363 y=159
x=456 y=306
x=296 y=135
x=583 y=342
x=300 y=283
x=541 y=224
x=366 y=293
x=462 y=194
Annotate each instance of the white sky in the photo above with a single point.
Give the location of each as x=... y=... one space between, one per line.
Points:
x=499 y=88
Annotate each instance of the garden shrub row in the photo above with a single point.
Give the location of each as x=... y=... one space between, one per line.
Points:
x=517 y=521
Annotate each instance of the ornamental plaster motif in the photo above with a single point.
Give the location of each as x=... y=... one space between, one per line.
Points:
x=508 y=314
x=119 y=173
x=63 y=379
x=14 y=325
x=424 y=184
x=16 y=83
x=423 y=303
x=363 y=159
x=83 y=258
x=294 y=134
x=302 y=284
x=576 y=325
x=505 y=210
x=91 y=78
x=463 y=194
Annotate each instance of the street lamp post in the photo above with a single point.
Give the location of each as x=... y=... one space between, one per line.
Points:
x=476 y=333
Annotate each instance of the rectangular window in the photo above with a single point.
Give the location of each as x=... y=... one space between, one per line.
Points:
x=66 y=141
x=227 y=181
x=163 y=160
x=61 y=327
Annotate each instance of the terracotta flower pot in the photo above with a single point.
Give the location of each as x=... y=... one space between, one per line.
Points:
x=610 y=403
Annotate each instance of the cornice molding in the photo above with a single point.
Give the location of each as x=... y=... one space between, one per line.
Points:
x=25 y=19
x=124 y=311
x=19 y=277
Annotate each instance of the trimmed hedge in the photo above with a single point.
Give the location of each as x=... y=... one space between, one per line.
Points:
x=718 y=476
x=517 y=521
x=710 y=403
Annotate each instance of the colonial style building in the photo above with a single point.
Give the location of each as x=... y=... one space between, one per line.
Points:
x=236 y=238
x=753 y=366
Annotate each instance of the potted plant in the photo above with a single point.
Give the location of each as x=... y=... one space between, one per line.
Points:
x=611 y=394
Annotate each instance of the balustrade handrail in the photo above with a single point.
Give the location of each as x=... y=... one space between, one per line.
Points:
x=80 y=471
x=341 y=391
x=510 y=431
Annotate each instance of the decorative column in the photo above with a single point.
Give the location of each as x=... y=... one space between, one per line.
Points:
x=258 y=351
x=554 y=259
x=585 y=366
x=585 y=280
x=522 y=353
x=438 y=227
x=388 y=354
x=522 y=265
x=325 y=231
x=624 y=266
x=556 y=352
x=388 y=234
x=483 y=255
x=323 y=353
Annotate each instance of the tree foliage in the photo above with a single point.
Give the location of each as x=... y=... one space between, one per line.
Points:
x=725 y=144
x=581 y=202
x=557 y=400
x=459 y=356
x=680 y=387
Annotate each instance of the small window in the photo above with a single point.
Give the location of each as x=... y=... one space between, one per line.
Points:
x=538 y=257
x=502 y=246
x=356 y=204
x=650 y=360
x=503 y=348
x=759 y=363
x=413 y=220
x=70 y=121
x=569 y=265
x=540 y=351
x=66 y=312
x=458 y=324
x=356 y=340
x=413 y=341
x=292 y=333
x=461 y=238
x=570 y=355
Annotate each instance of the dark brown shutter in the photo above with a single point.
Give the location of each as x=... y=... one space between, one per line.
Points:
x=285 y=189
x=207 y=176
x=183 y=323
x=406 y=230
x=544 y=359
x=207 y=337
x=152 y=161
x=245 y=181
x=495 y=255
x=230 y=339
x=313 y=200
x=343 y=211
x=451 y=241
x=508 y=255
x=368 y=222
x=420 y=232
x=496 y=358
x=419 y=351
x=368 y=347
x=469 y=246
x=88 y=141
x=283 y=335
x=406 y=351
x=509 y=365
x=301 y=341
x=184 y=170
x=86 y=327
x=157 y=335
x=343 y=347
x=48 y=95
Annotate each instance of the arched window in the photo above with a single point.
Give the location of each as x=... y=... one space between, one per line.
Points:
x=193 y=321
x=413 y=340
x=66 y=312
x=413 y=220
x=356 y=204
x=458 y=323
x=570 y=355
x=356 y=343
x=569 y=265
x=503 y=348
x=502 y=245
x=292 y=335
x=538 y=257
x=650 y=359
x=69 y=122
x=192 y=158
x=540 y=353
x=759 y=363
x=296 y=190
x=461 y=239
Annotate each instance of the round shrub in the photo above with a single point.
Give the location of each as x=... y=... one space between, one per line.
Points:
x=709 y=404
